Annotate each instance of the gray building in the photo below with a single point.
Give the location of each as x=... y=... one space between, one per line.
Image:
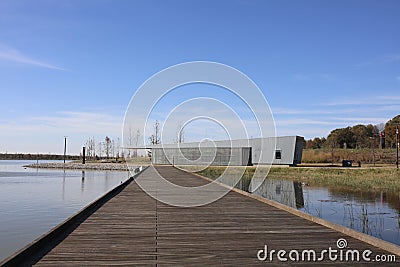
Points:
x=286 y=150
x=219 y=156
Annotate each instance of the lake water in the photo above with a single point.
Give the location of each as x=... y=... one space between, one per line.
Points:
x=32 y=201
x=372 y=213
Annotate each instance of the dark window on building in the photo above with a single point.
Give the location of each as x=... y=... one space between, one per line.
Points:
x=278 y=154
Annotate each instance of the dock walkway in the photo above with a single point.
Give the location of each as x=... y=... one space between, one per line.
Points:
x=133 y=229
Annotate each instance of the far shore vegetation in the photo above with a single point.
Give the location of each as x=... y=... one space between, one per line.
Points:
x=370 y=179
x=30 y=156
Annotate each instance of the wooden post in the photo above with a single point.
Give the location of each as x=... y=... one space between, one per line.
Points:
x=83 y=155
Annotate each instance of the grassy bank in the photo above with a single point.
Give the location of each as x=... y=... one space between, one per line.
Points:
x=365 y=155
x=357 y=179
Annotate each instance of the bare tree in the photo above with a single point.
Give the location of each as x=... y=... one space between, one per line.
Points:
x=94 y=147
x=380 y=127
x=137 y=136
x=180 y=134
x=155 y=138
x=118 y=147
x=88 y=148
x=129 y=142
x=91 y=147
x=100 y=148
x=107 y=146
x=113 y=148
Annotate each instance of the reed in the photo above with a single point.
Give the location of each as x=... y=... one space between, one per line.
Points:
x=365 y=155
x=355 y=179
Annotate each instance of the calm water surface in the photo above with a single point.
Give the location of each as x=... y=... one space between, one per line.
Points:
x=32 y=201
x=372 y=213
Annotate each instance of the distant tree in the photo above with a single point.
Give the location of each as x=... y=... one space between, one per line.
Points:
x=100 y=149
x=91 y=147
x=118 y=147
x=316 y=143
x=137 y=137
x=180 y=134
x=129 y=141
x=112 y=148
x=380 y=127
x=390 y=131
x=358 y=136
x=155 y=137
x=319 y=142
x=363 y=135
x=344 y=137
x=107 y=146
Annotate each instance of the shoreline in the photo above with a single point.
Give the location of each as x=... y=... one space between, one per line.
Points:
x=354 y=179
x=80 y=166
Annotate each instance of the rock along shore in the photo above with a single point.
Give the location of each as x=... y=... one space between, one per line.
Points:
x=80 y=166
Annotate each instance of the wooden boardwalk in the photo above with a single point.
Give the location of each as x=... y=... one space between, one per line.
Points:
x=133 y=229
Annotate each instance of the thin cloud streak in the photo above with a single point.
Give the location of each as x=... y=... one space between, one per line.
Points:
x=13 y=55
x=363 y=120
x=377 y=100
x=380 y=60
x=391 y=58
x=313 y=76
x=84 y=123
x=288 y=111
x=292 y=122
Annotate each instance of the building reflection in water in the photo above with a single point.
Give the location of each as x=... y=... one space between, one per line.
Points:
x=285 y=192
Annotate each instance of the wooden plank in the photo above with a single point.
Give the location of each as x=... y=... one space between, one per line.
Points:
x=134 y=229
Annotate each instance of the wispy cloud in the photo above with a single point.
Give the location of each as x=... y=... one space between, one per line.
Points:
x=292 y=122
x=391 y=58
x=376 y=100
x=14 y=55
x=363 y=120
x=44 y=133
x=313 y=76
x=363 y=64
x=301 y=77
x=84 y=123
x=383 y=59
x=288 y=111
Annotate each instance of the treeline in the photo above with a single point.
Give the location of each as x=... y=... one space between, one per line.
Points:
x=20 y=156
x=107 y=148
x=359 y=136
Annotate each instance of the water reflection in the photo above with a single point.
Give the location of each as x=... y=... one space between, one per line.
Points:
x=32 y=201
x=83 y=182
x=286 y=192
x=372 y=213
x=63 y=185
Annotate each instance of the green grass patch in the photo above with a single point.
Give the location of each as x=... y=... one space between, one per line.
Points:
x=355 y=179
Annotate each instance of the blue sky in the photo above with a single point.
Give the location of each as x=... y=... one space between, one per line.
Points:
x=71 y=67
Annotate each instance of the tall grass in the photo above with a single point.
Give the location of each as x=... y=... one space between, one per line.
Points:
x=357 y=179
x=364 y=155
